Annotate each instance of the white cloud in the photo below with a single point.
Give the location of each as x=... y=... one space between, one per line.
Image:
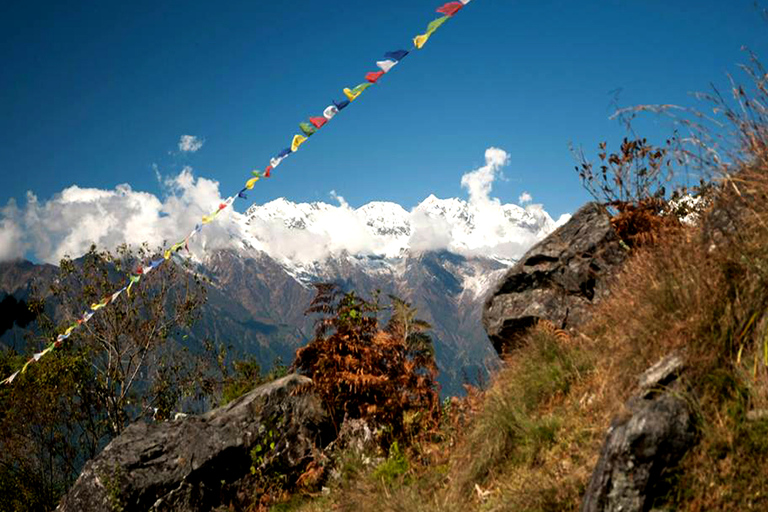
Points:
x=525 y=198
x=330 y=230
x=480 y=181
x=190 y=143
x=69 y=222
x=11 y=237
x=480 y=226
x=429 y=233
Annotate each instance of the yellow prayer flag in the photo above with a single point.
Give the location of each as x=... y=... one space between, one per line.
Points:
x=250 y=183
x=350 y=94
x=298 y=140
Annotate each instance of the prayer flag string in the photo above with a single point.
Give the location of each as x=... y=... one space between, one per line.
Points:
x=391 y=59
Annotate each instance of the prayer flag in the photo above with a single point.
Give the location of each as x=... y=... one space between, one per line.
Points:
x=318 y=122
x=250 y=183
x=450 y=8
x=330 y=112
x=342 y=104
x=10 y=379
x=100 y=305
x=373 y=76
x=298 y=140
x=134 y=280
x=386 y=65
x=357 y=91
x=307 y=128
x=114 y=296
x=274 y=162
x=396 y=55
x=421 y=40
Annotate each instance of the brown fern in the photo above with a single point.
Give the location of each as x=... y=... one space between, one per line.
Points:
x=361 y=371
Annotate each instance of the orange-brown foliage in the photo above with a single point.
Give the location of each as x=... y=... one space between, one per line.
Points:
x=362 y=371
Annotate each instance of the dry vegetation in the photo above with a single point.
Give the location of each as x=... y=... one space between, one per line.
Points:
x=530 y=442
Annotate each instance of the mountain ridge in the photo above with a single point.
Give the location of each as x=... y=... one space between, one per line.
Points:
x=258 y=290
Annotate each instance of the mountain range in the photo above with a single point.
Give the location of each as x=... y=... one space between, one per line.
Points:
x=442 y=256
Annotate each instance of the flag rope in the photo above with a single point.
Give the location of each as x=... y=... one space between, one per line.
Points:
x=392 y=59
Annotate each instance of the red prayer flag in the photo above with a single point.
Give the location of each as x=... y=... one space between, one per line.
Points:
x=450 y=8
x=318 y=121
x=373 y=76
x=222 y=206
x=268 y=171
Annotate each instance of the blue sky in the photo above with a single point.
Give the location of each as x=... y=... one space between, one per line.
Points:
x=97 y=93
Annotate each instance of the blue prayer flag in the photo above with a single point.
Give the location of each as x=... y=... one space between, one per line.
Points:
x=396 y=55
x=342 y=104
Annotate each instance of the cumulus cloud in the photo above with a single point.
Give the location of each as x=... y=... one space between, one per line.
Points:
x=525 y=198
x=190 y=144
x=429 y=233
x=479 y=226
x=480 y=181
x=307 y=233
x=69 y=222
x=11 y=238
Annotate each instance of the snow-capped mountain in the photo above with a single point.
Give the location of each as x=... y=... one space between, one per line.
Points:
x=442 y=256
x=387 y=230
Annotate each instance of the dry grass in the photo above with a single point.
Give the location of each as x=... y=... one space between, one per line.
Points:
x=537 y=432
x=533 y=438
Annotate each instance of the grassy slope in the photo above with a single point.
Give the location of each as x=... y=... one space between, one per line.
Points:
x=531 y=441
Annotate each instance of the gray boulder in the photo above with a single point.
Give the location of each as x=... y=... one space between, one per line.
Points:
x=636 y=454
x=199 y=462
x=643 y=446
x=559 y=279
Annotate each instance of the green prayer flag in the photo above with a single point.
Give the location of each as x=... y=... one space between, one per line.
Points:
x=307 y=128
x=436 y=24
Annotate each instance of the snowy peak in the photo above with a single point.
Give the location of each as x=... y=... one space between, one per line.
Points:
x=293 y=215
x=386 y=229
x=386 y=219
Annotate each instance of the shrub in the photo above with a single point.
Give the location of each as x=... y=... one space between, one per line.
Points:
x=361 y=371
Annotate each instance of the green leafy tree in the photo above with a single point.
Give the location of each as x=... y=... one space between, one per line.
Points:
x=133 y=343
x=51 y=425
x=125 y=363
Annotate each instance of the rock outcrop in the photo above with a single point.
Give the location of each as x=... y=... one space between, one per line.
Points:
x=196 y=463
x=559 y=279
x=644 y=446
